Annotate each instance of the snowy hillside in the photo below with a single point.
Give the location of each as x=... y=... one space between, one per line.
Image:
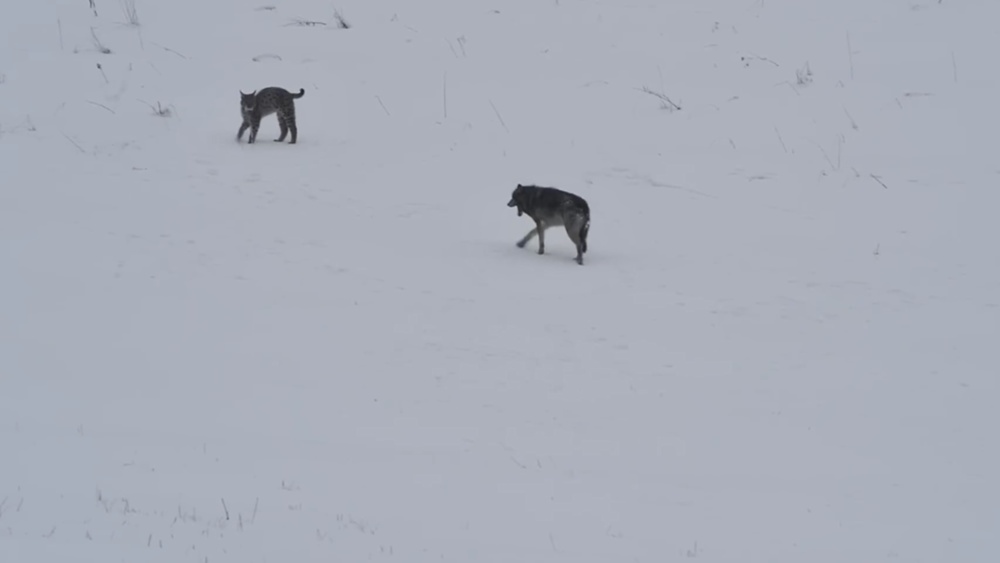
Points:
x=782 y=346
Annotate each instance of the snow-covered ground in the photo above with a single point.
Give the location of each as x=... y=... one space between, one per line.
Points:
x=782 y=346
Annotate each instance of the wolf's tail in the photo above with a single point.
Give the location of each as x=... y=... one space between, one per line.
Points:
x=302 y=92
x=583 y=232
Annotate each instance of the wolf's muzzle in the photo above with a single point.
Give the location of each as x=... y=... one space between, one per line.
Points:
x=513 y=203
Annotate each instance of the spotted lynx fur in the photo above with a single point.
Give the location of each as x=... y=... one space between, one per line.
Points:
x=260 y=104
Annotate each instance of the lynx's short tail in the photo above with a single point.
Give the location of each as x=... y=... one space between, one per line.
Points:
x=302 y=92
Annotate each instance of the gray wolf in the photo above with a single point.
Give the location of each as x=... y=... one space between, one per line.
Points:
x=551 y=207
x=258 y=105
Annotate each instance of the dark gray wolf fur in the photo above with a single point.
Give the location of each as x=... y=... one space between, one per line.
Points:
x=259 y=104
x=550 y=207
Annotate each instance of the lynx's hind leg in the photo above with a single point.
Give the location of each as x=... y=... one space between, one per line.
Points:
x=293 y=128
x=286 y=118
x=283 y=124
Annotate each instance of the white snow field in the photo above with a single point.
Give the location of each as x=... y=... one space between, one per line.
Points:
x=782 y=346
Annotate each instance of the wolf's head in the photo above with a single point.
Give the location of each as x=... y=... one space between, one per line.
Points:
x=517 y=199
x=248 y=101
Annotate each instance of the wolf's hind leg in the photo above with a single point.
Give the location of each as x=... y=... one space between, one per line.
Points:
x=573 y=230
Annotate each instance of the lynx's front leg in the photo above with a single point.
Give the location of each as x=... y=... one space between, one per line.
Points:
x=254 y=126
x=243 y=129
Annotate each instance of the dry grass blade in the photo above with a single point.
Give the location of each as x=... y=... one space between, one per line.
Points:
x=128 y=10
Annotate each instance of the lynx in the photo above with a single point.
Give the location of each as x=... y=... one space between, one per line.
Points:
x=259 y=104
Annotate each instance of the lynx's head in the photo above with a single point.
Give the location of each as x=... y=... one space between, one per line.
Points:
x=248 y=101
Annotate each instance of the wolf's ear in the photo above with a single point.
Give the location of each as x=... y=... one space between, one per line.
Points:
x=520 y=186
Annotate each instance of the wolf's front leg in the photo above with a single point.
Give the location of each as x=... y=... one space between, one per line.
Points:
x=531 y=234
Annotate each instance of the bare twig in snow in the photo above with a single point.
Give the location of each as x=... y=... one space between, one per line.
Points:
x=840 y=149
x=746 y=59
x=102 y=106
x=159 y=109
x=304 y=23
x=265 y=56
x=75 y=144
x=803 y=76
x=131 y=16
x=790 y=85
x=385 y=109
x=693 y=553
x=499 y=117
x=854 y=125
x=225 y=508
x=780 y=140
x=27 y=124
x=825 y=155
x=102 y=73
x=879 y=180
x=850 y=55
x=97 y=43
x=665 y=101
x=169 y=50
x=341 y=22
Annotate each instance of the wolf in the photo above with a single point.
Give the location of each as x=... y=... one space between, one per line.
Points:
x=551 y=207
